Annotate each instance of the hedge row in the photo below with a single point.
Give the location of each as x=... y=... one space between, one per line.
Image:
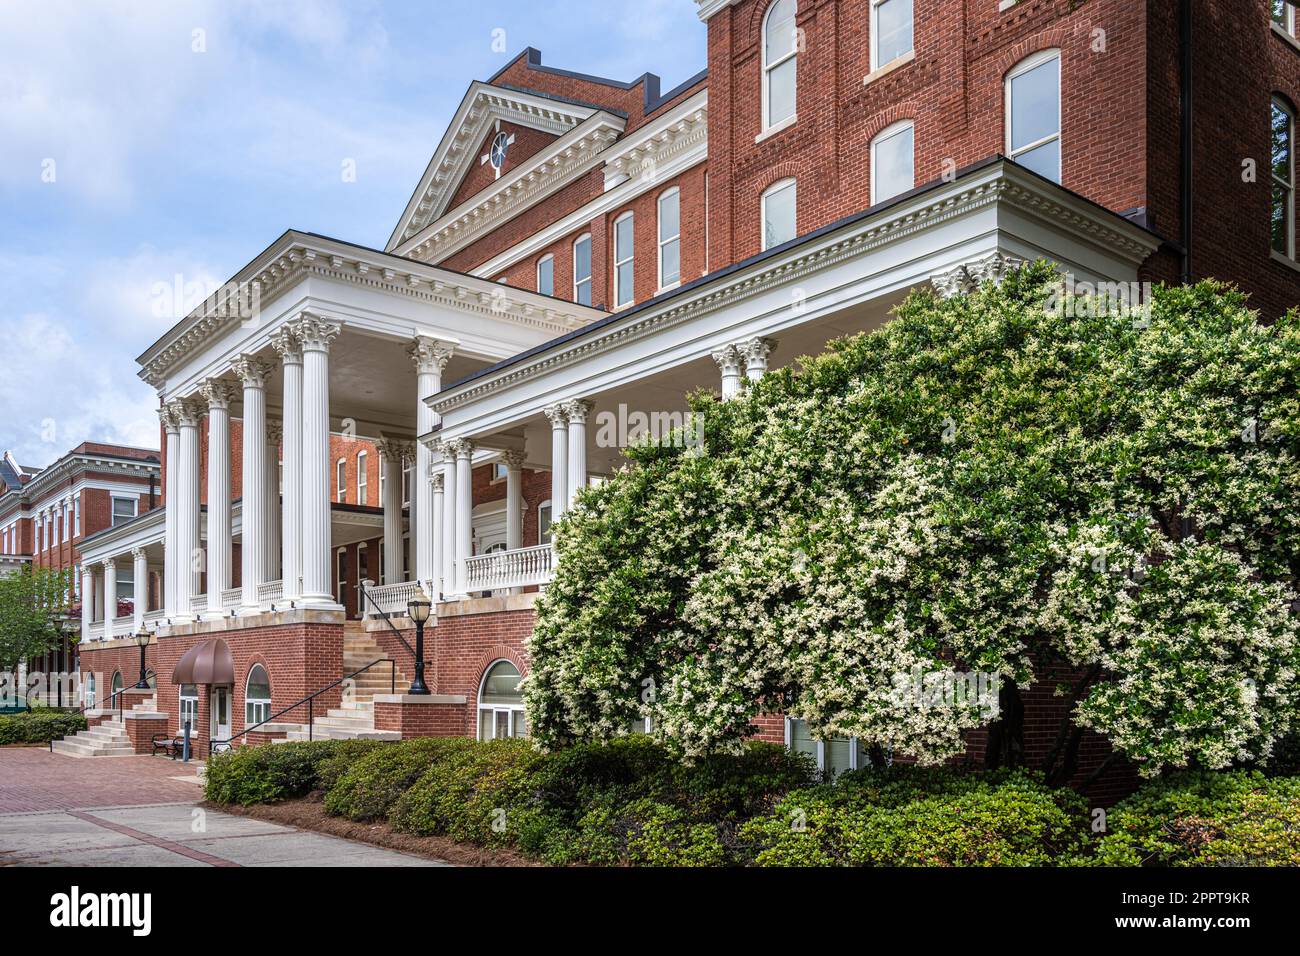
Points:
x=39 y=726
x=631 y=802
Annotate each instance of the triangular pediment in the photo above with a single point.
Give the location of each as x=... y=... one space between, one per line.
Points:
x=457 y=165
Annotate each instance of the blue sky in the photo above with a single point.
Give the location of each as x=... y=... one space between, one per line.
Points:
x=138 y=155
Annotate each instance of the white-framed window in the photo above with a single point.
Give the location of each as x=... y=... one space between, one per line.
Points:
x=544 y=523
x=582 y=270
x=257 y=696
x=67 y=520
x=546 y=275
x=778 y=213
x=780 y=63
x=383 y=476
x=88 y=690
x=341 y=479
x=500 y=705
x=893 y=161
x=1033 y=113
x=624 y=273
x=500 y=471
x=341 y=576
x=189 y=697
x=125 y=581
x=76 y=515
x=891 y=31
x=363 y=480
x=670 y=238
x=833 y=756
x=1284 y=15
x=1283 y=226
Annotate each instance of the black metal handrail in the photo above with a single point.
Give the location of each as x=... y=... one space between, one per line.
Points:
x=309 y=700
x=100 y=705
x=384 y=614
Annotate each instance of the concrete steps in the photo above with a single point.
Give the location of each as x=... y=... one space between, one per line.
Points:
x=107 y=739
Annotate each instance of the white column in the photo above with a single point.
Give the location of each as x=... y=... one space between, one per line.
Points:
x=252 y=372
x=219 y=395
x=188 y=553
x=464 y=451
x=110 y=595
x=271 y=554
x=728 y=359
x=436 y=481
x=140 y=587
x=514 y=462
x=430 y=357
x=316 y=335
x=577 y=411
x=99 y=595
x=171 y=503
x=448 y=453
x=290 y=351
x=559 y=458
x=755 y=352
x=87 y=600
x=394 y=454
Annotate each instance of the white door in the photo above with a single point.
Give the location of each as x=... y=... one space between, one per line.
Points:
x=220 y=701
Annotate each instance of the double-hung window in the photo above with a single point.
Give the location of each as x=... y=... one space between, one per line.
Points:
x=1033 y=114
x=670 y=238
x=780 y=63
x=779 y=213
x=582 y=270
x=546 y=275
x=1283 y=174
x=363 y=480
x=893 y=166
x=624 y=273
x=891 y=31
x=124 y=509
x=341 y=479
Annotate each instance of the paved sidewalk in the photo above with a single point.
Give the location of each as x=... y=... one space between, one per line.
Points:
x=132 y=811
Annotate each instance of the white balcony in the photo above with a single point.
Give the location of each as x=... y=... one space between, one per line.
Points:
x=508 y=569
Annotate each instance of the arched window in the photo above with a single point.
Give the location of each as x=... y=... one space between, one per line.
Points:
x=257 y=696
x=1033 y=113
x=780 y=49
x=341 y=479
x=117 y=681
x=546 y=275
x=891 y=31
x=670 y=238
x=189 y=697
x=779 y=213
x=500 y=705
x=88 y=691
x=893 y=164
x=582 y=269
x=1283 y=169
x=624 y=275
x=363 y=481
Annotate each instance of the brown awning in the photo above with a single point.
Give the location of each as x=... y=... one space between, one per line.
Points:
x=207 y=663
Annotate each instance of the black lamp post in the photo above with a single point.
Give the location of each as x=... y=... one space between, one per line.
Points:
x=142 y=639
x=419 y=608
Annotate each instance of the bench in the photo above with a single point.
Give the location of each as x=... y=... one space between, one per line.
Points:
x=173 y=747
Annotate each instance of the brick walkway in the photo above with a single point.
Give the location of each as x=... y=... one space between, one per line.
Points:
x=32 y=778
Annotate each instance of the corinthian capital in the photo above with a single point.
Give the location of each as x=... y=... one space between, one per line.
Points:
x=287 y=345
x=576 y=410
x=218 y=392
x=429 y=354
x=315 y=332
x=250 y=370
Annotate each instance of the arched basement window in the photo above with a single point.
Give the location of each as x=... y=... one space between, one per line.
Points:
x=500 y=705
x=257 y=696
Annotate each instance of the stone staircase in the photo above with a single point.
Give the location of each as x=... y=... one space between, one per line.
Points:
x=354 y=718
x=106 y=739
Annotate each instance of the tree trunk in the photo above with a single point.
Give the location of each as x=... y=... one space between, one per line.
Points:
x=1006 y=735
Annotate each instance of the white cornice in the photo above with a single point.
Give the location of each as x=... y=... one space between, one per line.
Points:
x=539 y=176
x=707 y=8
x=682 y=129
x=296 y=256
x=483 y=105
x=1002 y=182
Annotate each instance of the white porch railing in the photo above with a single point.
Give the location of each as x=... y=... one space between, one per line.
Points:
x=157 y=615
x=199 y=604
x=123 y=626
x=508 y=569
x=270 y=592
x=391 y=598
x=231 y=597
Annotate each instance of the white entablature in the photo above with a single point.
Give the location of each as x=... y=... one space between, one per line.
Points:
x=481 y=107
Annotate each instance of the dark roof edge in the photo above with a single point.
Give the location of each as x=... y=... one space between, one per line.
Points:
x=532 y=58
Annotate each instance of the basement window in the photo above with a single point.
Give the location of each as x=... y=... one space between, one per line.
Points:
x=257 y=696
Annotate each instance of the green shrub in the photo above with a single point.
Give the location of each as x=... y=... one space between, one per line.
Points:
x=471 y=793
x=39 y=726
x=648 y=833
x=371 y=785
x=910 y=817
x=1200 y=818
x=272 y=772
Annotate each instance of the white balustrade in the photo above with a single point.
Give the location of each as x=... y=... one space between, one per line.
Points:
x=199 y=604
x=391 y=598
x=270 y=592
x=231 y=598
x=509 y=569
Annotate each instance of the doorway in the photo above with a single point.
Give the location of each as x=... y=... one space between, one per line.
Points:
x=219 y=700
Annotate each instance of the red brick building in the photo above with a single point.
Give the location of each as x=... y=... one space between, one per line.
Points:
x=581 y=252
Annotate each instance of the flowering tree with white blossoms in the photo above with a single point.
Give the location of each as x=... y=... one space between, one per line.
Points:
x=993 y=482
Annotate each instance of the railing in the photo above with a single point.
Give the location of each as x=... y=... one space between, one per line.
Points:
x=508 y=569
x=199 y=604
x=158 y=615
x=231 y=597
x=389 y=598
x=216 y=746
x=123 y=626
x=270 y=592
x=107 y=702
x=365 y=595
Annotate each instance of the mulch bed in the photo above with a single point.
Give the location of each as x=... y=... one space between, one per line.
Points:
x=308 y=813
